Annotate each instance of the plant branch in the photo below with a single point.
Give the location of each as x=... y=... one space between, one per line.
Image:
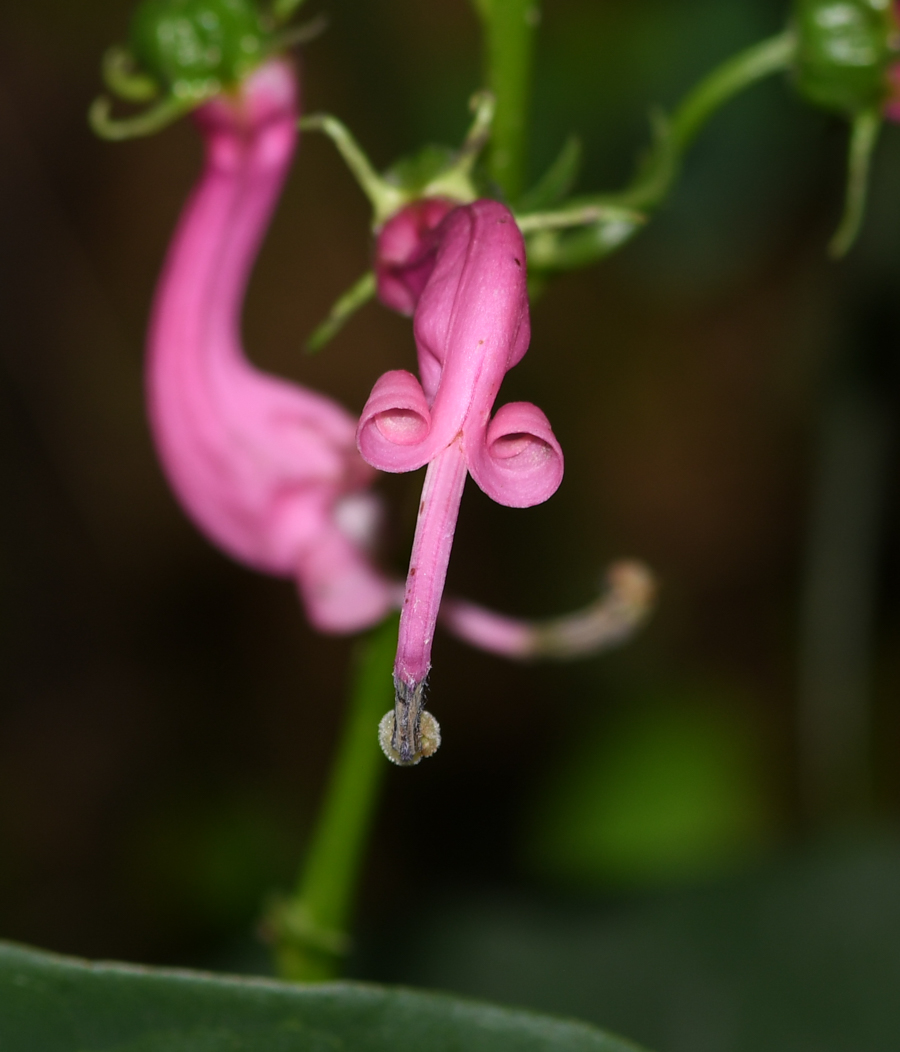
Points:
x=509 y=31
x=310 y=929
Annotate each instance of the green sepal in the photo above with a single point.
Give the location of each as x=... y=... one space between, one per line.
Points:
x=344 y=308
x=557 y=181
x=657 y=168
x=844 y=51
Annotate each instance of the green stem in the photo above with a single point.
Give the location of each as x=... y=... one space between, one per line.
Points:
x=676 y=133
x=509 y=28
x=552 y=247
x=310 y=929
x=863 y=137
x=384 y=198
x=157 y=117
x=732 y=77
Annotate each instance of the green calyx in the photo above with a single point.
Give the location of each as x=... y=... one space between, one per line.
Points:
x=844 y=51
x=187 y=46
x=183 y=52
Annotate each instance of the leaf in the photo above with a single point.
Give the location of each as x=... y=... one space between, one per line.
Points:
x=59 y=1004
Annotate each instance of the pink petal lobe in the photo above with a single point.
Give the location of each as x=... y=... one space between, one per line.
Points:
x=519 y=462
x=395 y=425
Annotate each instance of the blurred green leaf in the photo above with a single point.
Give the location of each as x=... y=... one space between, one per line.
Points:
x=669 y=791
x=801 y=954
x=57 y=1004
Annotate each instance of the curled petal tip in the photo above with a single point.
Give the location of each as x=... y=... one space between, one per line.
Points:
x=395 y=424
x=520 y=463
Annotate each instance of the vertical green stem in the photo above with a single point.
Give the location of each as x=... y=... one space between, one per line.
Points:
x=310 y=929
x=509 y=30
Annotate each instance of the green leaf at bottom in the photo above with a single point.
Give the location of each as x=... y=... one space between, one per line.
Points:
x=58 y=1004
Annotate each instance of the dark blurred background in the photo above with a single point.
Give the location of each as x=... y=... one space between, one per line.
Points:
x=691 y=840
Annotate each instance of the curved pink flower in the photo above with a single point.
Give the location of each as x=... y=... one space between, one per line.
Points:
x=467 y=279
x=267 y=469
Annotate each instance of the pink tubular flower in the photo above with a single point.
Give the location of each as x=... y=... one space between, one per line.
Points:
x=267 y=469
x=466 y=279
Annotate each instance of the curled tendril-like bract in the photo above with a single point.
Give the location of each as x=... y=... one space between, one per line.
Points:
x=123 y=78
x=156 y=118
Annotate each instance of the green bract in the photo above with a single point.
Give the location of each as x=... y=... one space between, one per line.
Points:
x=844 y=49
x=187 y=44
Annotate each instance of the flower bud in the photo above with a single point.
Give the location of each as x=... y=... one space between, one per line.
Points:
x=845 y=49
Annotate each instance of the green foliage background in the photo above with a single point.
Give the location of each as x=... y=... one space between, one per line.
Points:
x=167 y=717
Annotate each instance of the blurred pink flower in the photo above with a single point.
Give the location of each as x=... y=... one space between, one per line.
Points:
x=265 y=468
x=465 y=277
